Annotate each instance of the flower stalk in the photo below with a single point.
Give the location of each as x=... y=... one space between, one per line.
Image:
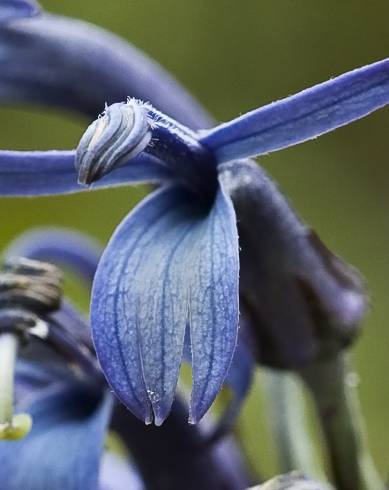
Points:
x=12 y=426
x=290 y=431
x=333 y=387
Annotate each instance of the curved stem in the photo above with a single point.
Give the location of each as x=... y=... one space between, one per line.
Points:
x=333 y=388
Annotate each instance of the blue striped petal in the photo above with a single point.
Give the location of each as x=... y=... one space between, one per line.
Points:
x=303 y=116
x=170 y=262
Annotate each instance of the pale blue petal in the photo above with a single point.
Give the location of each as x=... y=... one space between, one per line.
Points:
x=303 y=116
x=117 y=474
x=170 y=261
x=64 y=448
x=214 y=307
x=72 y=64
x=15 y=9
x=41 y=173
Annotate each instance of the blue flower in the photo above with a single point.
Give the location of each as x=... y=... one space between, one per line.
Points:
x=72 y=408
x=171 y=268
x=73 y=250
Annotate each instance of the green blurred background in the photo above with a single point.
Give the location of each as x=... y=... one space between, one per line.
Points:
x=235 y=56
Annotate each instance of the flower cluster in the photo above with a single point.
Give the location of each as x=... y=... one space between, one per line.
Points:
x=213 y=266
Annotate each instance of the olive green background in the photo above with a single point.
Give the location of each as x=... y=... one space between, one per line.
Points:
x=235 y=56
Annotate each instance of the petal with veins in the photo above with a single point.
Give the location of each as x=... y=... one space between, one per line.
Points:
x=44 y=173
x=303 y=116
x=171 y=260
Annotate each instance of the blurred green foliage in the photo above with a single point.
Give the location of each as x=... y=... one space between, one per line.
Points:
x=235 y=56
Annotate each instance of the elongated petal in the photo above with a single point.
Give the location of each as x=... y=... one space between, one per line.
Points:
x=40 y=173
x=61 y=246
x=217 y=282
x=303 y=116
x=170 y=261
x=65 y=445
x=15 y=9
x=68 y=63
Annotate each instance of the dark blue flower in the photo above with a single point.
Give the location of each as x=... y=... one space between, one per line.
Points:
x=173 y=264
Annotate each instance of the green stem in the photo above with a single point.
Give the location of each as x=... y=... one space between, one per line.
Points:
x=8 y=351
x=333 y=388
x=286 y=409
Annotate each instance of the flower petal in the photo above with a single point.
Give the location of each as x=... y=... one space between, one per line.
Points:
x=61 y=246
x=76 y=65
x=41 y=173
x=65 y=445
x=15 y=9
x=214 y=309
x=303 y=116
x=169 y=261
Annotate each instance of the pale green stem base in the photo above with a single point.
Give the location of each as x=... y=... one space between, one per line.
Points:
x=12 y=426
x=286 y=409
x=8 y=352
x=333 y=387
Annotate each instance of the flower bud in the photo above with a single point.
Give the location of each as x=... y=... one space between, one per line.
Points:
x=304 y=303
x=119 y=134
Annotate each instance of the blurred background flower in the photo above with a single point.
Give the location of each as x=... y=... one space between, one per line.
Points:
x=233 y=59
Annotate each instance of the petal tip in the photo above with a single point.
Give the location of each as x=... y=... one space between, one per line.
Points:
x=192 y=420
